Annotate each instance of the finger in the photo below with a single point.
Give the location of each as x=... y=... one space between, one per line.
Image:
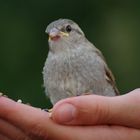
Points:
x=100 y=132
x=4 y=137
x=24 y=117
x=39 y=126
x=10 y=131
x=93 y=109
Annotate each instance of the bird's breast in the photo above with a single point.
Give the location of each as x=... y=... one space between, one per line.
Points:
x=72 y=74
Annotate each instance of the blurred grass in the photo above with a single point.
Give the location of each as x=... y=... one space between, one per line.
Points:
x=113 y=26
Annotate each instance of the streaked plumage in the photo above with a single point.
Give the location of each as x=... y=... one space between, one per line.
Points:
x=74 y=66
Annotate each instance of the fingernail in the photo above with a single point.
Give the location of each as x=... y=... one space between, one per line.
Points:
x=65 y=113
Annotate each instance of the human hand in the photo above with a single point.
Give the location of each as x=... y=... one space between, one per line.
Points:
x=98 y=110
x=117 y=119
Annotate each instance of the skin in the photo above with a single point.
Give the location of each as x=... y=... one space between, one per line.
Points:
x=104 y=118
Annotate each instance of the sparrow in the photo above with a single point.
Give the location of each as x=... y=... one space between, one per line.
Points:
x=74 y=66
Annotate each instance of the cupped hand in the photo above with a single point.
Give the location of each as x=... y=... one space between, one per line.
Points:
x=78 y=118
x=98 y=110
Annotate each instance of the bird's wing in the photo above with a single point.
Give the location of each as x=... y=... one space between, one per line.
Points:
x=109 y=76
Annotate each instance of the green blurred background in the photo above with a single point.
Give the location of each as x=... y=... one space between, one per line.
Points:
x=113 y=26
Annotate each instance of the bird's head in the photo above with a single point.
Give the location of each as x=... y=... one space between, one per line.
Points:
x=64 y=33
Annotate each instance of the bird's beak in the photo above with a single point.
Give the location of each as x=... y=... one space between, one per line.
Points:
x=55 y=34
x=64 y=34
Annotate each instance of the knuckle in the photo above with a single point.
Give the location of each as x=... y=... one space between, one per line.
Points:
x=37 y=132
x=19 y=137
x=101 y=111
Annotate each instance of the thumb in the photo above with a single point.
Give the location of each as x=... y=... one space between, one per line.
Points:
x=95 y=110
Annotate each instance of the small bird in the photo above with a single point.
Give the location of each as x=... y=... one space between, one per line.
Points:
x=74 y=66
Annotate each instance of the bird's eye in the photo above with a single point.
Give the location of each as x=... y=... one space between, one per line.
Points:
x=68 y=28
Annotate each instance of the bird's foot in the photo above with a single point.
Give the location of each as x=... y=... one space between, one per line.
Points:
x=49 y=111
x=89 y=92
